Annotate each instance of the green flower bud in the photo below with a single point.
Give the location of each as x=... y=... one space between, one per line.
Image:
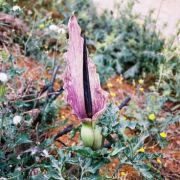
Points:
x=87 y=134
x=98 y=138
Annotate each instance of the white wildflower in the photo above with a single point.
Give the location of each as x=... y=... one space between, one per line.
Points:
x=18 y=168
x=53 y=27
x=37 y=159
x=57 y=29
x=45 y=152
x=61 y=31
x=34 y=150
x=17 y=119
x=18 y=157
x=16 y=8
x=3 y=178
x=3 y=77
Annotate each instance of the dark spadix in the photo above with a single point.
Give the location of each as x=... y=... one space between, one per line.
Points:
x=86 y=83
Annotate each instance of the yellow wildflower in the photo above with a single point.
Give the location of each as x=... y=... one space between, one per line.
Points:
x=63 y=117
x=109 y=85
x=158 y=161
x=123 y=173
x=163 y=134
x=152 y=117
x=141 y=89
x=141 y=81
x=41 y=26
x=141 y=150
x=45 y=46
x=113 y=94
x=119 y=80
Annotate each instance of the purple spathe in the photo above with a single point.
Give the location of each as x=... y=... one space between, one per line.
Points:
x=73 y=77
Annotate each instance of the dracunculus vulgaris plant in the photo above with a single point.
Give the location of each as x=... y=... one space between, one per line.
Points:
x=82 y=87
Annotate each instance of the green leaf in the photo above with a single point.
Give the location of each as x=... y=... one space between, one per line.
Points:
x=87 y=152
x=2 y=155
x=131 y=72
x=116 y=151
x=23 y=139
x=144 y=170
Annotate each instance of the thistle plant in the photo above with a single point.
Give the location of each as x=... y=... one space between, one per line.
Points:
x=82 y=87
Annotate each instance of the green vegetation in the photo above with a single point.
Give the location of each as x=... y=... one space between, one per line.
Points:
x=127 y=46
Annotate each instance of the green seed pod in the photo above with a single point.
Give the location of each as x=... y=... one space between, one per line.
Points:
x=2 y=90
x=98 y=138
x=87 y=134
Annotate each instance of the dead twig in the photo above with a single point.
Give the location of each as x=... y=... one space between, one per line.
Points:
x=124 y=103
x=64 y=131
x=61 y=142
x=57 y=93
x=53 y=78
